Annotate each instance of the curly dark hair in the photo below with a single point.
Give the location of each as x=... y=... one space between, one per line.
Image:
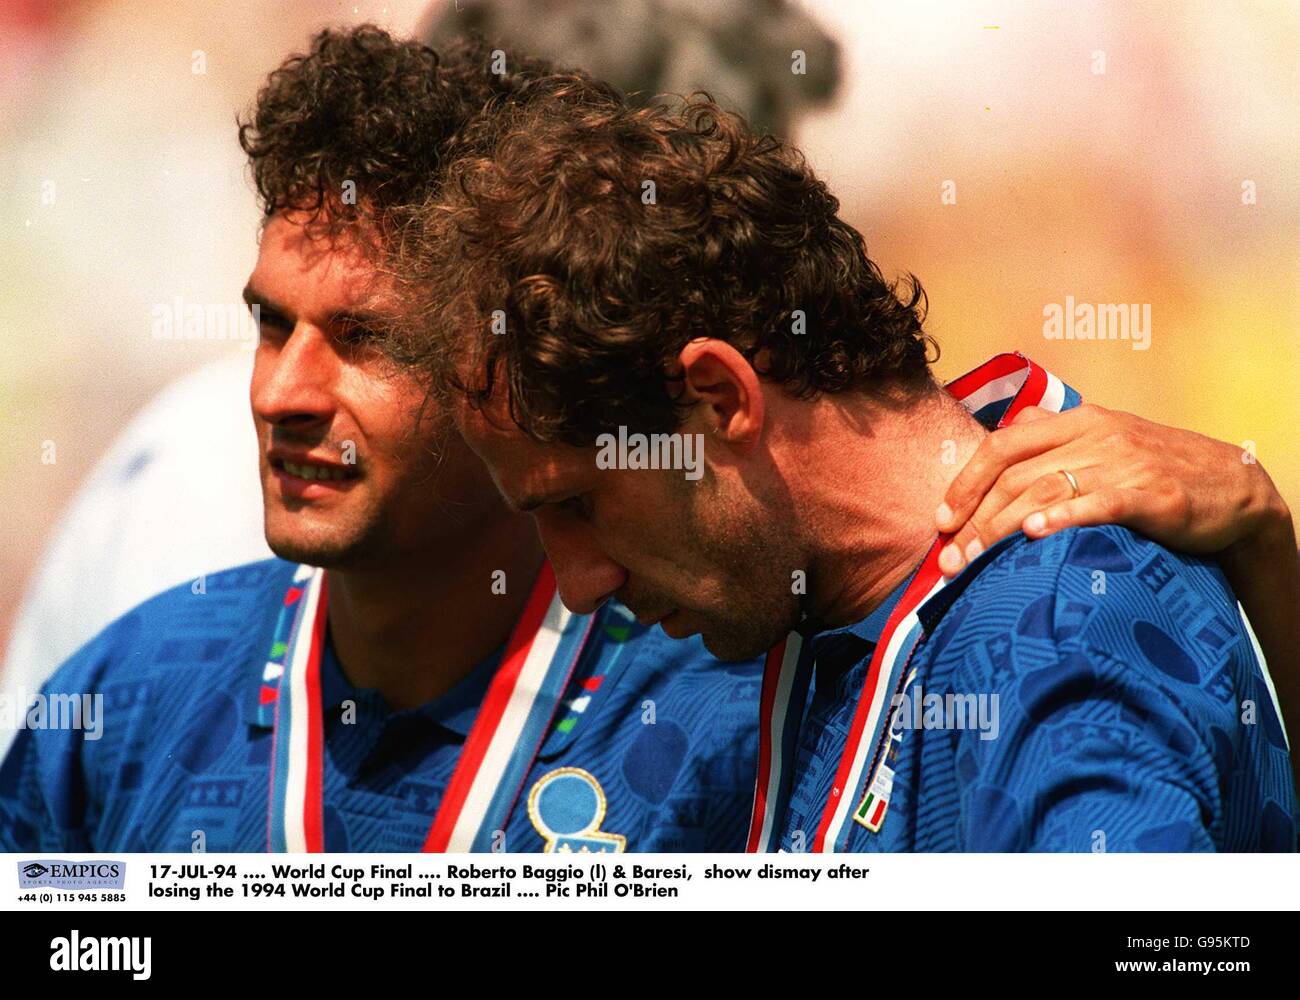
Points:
x=548 y=267
x=383 y=113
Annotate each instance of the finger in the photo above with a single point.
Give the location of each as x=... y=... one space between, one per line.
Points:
x=1129 y=507
x=1031 y=413
x=964 y=548
x=1001 y=450
x=993 y=522
x=1017 y=492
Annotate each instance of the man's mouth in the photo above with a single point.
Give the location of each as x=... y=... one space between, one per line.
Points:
x=651 y=619
x=305 y=477
x=310 y=472
x=647 y=617
x=675 y=626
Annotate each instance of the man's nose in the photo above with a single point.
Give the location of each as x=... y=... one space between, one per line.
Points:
x=293 y=385
x=585 y=576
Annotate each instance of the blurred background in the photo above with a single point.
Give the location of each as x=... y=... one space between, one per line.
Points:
x=1009 y=154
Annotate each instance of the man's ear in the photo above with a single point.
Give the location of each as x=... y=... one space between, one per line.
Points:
x=725 y=388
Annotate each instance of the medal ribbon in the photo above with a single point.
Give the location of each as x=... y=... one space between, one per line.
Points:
x=502 y=745
x=995 y=393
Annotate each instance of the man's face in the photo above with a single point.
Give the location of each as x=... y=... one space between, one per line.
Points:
x=704 y=556
x=352 y=475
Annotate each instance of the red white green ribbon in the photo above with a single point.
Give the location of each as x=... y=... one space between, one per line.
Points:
x=507 y=735
x=996 y=392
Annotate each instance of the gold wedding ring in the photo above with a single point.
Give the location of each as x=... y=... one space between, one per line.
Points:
x=1074 y=483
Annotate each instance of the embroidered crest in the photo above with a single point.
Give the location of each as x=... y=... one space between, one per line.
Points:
x=567 y=806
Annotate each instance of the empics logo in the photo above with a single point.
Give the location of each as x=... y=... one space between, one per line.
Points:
x=93 y=954
x=75 y=876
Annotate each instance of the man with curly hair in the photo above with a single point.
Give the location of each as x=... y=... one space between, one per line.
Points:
x=668 y=347
x=174 y=496
x=402 y=676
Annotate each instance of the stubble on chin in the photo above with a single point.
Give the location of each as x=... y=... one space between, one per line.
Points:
x=294 y=537
x=759 y=606
x=764 y=624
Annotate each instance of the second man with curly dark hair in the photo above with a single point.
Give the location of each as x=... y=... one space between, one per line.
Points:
x=608 y=274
